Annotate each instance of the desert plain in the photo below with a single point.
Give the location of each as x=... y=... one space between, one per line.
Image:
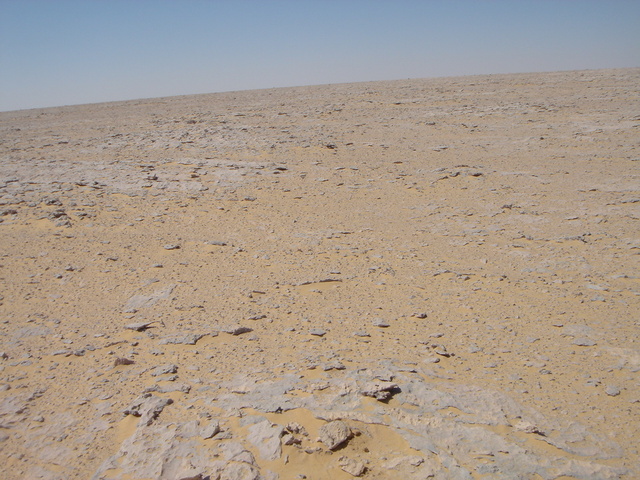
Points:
x=411 y=279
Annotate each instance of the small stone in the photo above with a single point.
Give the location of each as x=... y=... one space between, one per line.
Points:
x=139 y=326
x=210 y=430
x=380 y=390
x=351 y=466
x=379 y=322
x=296 y=428
x=171 y=246
x=147 y=407
x=441 y=350
x=190 y=339
x=289 y=439
x=236 y=329
x=317 y=332
x=612 y=391
x=164 y=369
x=334 y=434
x=199 y=476
x=528 y=427
x=122 y=361
x=584 y=342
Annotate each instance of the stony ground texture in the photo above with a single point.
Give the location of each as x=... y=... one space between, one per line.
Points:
x=413 y=279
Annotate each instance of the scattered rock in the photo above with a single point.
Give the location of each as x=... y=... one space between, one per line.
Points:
x=236 y=329
x=190 y=339
x=123 y=361
x=334 y=434
x=164 y=369
x=136 y=302
x=351 y=466
x=379 y=322
x=584 y=342
x=148 y=407
x=317 y=332
x=139 y=326
x=266 y=437
x=210 y=430
x=380 y=390
x=296 y=428
x=528 y=427
x=441 y=350
x=174 y=387
x=171 y=246
x=612 y=390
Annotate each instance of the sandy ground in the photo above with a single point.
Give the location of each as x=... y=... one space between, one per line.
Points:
x=447 y=268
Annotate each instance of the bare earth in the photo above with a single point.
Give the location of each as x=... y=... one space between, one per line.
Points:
x=413 y=279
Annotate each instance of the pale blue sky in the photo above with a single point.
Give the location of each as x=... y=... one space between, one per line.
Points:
x=61 y=52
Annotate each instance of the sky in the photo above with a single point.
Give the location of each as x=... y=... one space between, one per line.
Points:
x=64 y=52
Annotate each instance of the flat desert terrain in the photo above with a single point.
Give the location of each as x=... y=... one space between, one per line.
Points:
x=413 y=279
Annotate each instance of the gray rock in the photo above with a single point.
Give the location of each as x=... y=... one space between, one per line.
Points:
x=334 y=434
x=139 y=326
x=190 y=339
x=380 y=390
x=379 y=322
x=217 y=243
x=240 y=471
x=317 y=332
x=351 y=466
x=441 y=350
x=164 y=369
x=210 y=430
x=148 y=407
x=584 y=342
x=612 y=391
x=266 y=437
x=235 y=329
x=174 y=387
x=361 y=333
x=136 y=302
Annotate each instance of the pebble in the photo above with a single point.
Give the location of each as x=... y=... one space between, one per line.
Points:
x=612 y=391
x=123 y=361
x=139 y=326
x=584 y=342
x=171 y=246
x=317 y=332
x=164 y=369
x=379 y=322
x=441 y=350
x=236 y=329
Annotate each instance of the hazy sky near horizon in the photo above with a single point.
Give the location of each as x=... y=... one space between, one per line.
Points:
x=64 y=52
